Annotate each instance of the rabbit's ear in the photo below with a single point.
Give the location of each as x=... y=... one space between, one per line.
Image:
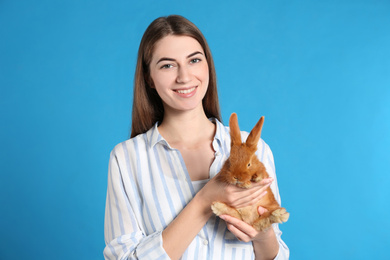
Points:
x=255 y=134
x=235 y=134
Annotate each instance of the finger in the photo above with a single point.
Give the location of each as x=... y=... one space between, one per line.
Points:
x=243 y=227
x=250 y=199
x=265 y=181
x=241 y=197
x=238 y=233
x=257 y=190
x=255 y=185
x=247 y=199
x=260 y=185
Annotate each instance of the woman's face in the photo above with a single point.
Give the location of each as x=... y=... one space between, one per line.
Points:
x=180 y=73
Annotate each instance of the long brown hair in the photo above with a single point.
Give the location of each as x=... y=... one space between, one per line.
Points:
x=147 y=105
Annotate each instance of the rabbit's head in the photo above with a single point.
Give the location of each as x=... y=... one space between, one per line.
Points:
x=243 y=162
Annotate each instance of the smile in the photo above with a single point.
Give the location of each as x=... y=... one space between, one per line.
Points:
x=185 y=91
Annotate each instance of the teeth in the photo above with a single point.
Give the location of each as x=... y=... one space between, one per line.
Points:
x=186 y=91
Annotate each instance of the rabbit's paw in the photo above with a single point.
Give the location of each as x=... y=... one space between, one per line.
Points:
x=244 y=185
x=219 y=208
x=279 y=215
x=256 y=177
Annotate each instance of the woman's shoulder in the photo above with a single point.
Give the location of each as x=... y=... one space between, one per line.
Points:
x=138 y=142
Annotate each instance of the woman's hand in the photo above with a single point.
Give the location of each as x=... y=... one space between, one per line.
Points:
x=243 y=231
x=232 y=195
x=265 y=244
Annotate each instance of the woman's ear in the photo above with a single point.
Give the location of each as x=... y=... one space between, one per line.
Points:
x=151 y=84
x=149 y=80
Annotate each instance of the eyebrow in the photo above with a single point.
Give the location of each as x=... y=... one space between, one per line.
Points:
x=170 y=59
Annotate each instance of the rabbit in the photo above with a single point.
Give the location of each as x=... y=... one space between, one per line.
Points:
x=241 y=169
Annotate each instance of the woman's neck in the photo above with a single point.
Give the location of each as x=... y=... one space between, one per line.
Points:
x=187 y=128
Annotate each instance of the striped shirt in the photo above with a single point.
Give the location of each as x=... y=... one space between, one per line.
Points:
x=148 y=186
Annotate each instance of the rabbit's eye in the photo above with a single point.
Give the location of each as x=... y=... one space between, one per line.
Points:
x=249 y=164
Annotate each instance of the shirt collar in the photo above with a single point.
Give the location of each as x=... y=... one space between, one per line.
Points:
x=154 y=137
x=220 y=130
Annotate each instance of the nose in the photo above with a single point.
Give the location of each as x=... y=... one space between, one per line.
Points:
x=183 y=75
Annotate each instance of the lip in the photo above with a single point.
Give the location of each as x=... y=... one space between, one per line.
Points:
x=186 y=92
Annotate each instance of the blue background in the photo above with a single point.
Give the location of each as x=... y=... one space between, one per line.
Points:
x=319 y=71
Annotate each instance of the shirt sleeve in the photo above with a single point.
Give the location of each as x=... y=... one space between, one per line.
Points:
x=268 y=161
x=122 y=233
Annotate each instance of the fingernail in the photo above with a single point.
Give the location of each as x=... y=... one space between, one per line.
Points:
x=222 y=217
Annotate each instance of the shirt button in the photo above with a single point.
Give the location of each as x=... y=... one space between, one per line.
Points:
x=205 y=242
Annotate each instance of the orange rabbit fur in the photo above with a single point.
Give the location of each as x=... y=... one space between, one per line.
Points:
x=241 y=169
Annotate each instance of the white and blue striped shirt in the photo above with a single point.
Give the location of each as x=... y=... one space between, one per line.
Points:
x=148 y=186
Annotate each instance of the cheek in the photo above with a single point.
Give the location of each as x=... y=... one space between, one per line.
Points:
x=160 y=81
x=206 y=72
x=206 y=79
x=203 y=74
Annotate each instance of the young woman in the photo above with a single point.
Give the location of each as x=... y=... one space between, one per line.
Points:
x=161 y=182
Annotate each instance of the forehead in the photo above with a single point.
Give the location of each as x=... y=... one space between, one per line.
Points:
x=173 y=46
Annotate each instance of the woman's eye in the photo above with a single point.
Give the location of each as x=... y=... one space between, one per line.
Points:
x=166 y=66
x=196 y=60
